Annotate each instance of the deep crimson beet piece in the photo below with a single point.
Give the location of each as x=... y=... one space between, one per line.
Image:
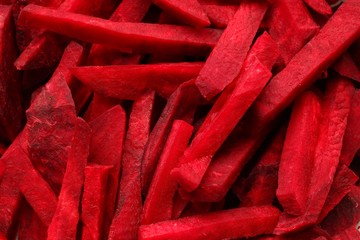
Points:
x=130 y=81
x=307 y=65
x=179 y=204
x=188 y=11
x=220 y=16
x=65 y=221
x=225 y=61
x=297 y=157
x=93 y=200
x=180 y=105
x=106 y=148
x=130 y=37
x=346 y=67
x=30 y=225
x=99 y=105
x=234 y=223
x=226 y=112
x=259 y=188
x=351 y=142
x=320 y=6
x=11 y=112
x=158 y=204
x=126 y=221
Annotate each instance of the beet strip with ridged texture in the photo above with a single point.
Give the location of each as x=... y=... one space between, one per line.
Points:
x=335 y=110
x=351 y=141
x=126 y=221
x=225 y=61
x=45 y=50
x=180 y=104
x=131 y=37
x=52 y=112
x=188 y=11
x=234 y=223
x=130 y=81
x=297 y=157
x=344 y=179
x=65 y=221
x=307 y=65
x=11 y=112
x=226 y=112
x=346 y=67
x=30 y=225
x=320 y=6
x=106 y=148
x=262 y=180
x=158 y=204
x=220 y=16
x=93 y=200
x=290 y=25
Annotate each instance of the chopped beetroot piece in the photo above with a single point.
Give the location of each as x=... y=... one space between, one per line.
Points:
x=297 y=157
x=11 y=112
x=180 y=104
x=125 y=224
x=226 y=112
x=133 y=37
x=234 y=223
x=220 y=16
x=291 y=26
x=52 y=113
x=344 y=179
x=30 y=225
x=346 y=67
x=37 y=192
x=94 y=200
x=158 y=204
x=99 y=105
x=106 y=148
x=179 y=204
x=196 y=208
x=130 y=81
x=320 y=6
x=262 y=180
x=65 y=221
x=188 y=11
x=351 y=141
x=225 y=61
x=306 y=66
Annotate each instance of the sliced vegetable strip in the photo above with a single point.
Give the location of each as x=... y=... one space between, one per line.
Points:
x=188 y=11
x=65 y=221
x=234 y=223
x=346 y=67
x=226 y=113
x=220 y=16
x=306 y=66
x=297 y=157
x=225 y=61
x=130 y=81
x=159 y=200
x=320 y=6
x=125 y=224
x=133 y=37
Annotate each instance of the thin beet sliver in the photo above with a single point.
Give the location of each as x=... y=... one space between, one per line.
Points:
x=307 y=65
x=188 y=11
x=106 y=148
x=126 y=221
x=179 y=204
x=65 y=221
x=320 y=6
x=93 y=200
x=220 y=16
x=99 y=105
x=225 y=61
x=130 y=81
x=11 y=111
x=226 y=112
x=346 y=67
x=351 y=142
x=297 y=157
x=132 y=37
x=158 y=204
x=234 y=223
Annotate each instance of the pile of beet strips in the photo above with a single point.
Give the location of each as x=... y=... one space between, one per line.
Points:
x=179 y=119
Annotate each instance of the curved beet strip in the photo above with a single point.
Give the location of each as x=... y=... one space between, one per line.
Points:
x=131 y=37
x=225 y=61
x=188 y=11
x=126 y=221
x=234 y=223
x=131 y=81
